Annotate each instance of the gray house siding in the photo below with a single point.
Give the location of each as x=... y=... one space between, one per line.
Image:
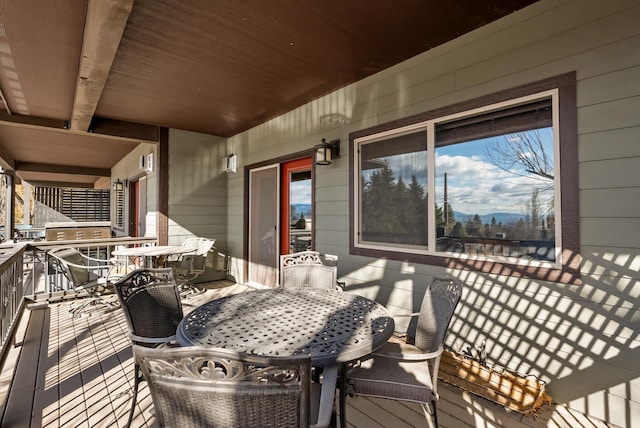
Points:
x=582 y=339
x=197 y=188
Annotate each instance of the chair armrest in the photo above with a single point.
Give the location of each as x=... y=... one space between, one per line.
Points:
x=89 y=267
x=410 y=356
x=413 y=314
x=151 y=340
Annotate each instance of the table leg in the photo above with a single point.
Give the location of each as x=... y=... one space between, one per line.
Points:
x=343 y=395
x=328 y=395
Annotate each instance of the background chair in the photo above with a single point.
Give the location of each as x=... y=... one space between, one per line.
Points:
x=85 y=275
x=151 y=304
x=189 y=266
x=198 y=387
x=401 y=371
x=309 y=269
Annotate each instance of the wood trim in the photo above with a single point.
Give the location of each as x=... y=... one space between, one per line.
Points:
x=163 y=188
x=569 y=273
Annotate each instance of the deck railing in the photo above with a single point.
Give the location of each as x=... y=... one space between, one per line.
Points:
x=25 y=276
x=11 y=292
x=46 y=283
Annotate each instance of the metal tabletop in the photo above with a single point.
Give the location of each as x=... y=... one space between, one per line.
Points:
x=155 y=256
x=154 y=251
x=329 y=325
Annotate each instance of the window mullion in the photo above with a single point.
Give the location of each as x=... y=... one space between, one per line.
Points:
x=431 y=211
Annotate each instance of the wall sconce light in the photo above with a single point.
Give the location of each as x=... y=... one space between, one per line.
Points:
x=118 y=186
x=326 y=152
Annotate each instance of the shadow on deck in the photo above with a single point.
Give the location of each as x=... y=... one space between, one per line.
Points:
x=79 y=372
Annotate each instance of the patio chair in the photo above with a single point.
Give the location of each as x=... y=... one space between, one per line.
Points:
x=85 y=275
x=405 y=372
x=213 y=387
x=189 y=266
x=309 y=269
x=151 y=304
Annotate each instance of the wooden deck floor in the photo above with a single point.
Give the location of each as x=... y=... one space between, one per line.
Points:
x=79 y=373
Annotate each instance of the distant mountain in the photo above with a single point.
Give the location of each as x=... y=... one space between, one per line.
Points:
x=504 y=218
x=304 y=209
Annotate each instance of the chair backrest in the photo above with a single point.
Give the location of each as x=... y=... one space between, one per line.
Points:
x=308 y=269
x=439 y=302
x=201 y=245
x=73 y=266
x=198 y=386
x=151 y=302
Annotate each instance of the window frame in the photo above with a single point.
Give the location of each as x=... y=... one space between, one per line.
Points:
x=567 y=268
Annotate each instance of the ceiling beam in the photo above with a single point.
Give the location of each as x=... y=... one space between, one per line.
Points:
x=99 y=126
x=103 y=29
x=18 y=119
x=61 y=169
x=70 y=184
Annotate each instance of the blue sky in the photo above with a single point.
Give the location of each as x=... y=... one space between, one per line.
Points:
x=300 y=192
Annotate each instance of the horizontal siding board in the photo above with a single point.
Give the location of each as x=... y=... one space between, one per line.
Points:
x=611 y=203
x=610 y=173
x=616 y=114
x=610 y=86
x=609 y=145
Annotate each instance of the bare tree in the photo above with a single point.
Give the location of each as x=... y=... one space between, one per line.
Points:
x=525 y=149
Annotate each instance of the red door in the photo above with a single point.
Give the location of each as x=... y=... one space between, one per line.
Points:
x=296 y=231
x=134 y=209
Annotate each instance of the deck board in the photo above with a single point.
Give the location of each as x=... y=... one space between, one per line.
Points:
x=79 y=372
x=20 y=398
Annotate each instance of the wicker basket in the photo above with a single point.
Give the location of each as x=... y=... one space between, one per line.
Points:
x=522 y=393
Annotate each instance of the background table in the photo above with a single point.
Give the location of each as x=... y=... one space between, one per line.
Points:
x=330 y=326
x=157 y=255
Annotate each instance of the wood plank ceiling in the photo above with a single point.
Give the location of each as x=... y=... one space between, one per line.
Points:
x=85 y=81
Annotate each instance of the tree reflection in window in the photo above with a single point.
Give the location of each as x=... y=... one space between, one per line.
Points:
x=493 y=187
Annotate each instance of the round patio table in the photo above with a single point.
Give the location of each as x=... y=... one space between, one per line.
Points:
x=330 y=326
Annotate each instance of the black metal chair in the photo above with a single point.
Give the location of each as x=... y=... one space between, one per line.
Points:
x=406 y=372
x=85 y=275
x=151 y=303
x=194 y=387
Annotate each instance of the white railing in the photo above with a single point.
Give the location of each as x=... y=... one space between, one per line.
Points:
x=11 y=293
x=25 y=276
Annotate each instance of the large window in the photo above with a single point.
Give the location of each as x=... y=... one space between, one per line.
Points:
x=476 y=186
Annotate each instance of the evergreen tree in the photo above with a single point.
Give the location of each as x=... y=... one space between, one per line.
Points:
x=417 y=219
x=379 y=218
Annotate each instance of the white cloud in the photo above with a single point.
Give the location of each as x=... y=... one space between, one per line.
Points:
x=478 y=187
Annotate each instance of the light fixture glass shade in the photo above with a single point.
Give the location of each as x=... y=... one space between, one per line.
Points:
x=323 y=155
x=118 y=186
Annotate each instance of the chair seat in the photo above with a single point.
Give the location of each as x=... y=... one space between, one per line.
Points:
x=398 y=346
x=393 y=379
